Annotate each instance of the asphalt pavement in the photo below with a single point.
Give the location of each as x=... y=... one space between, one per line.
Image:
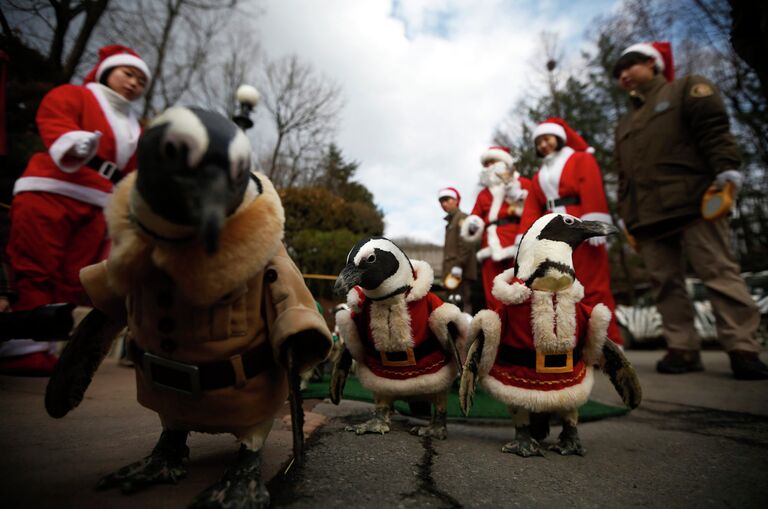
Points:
x=697 y=440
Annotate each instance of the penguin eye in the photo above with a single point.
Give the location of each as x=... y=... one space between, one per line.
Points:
x=568 y=220
x=371 y=258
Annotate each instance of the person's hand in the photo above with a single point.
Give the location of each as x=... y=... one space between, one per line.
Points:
x=5 y=304
x=514 y=191
x=732 y=176
x=457 y=271
x=597 y=241
x=87 y=146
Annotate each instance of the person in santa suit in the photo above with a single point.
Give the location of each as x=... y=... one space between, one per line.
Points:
x=496 y=216
x=569 y=181
x=57 y=222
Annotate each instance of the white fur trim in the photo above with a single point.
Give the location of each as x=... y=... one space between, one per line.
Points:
x=549 y=128
x=484 y=253
x=348 y=330
x=127 y=139
x=541 y=401
x=647 y=50
x=509 y=291
x=64 y=143
x=355 y=299
x=590 y=150
x=50 y=185
x=597 y=216
x=423 y=384
x=553 y=323
x=424 y=276
x=123 y=59
x=597 y=334
x=472 y=220
x=550 y=174
x=489 y=323
x=438 y=323
x=390 y=324
x=447 y=193
x=497 y=155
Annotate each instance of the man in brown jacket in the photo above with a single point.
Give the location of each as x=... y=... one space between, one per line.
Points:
x=458 y=254
x=672 y=145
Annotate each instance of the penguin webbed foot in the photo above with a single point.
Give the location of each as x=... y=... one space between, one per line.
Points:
x=240 y=487
x=568 y=443
x=435 y=429
x=163 y=466
x=524 y=444
x=378 y=424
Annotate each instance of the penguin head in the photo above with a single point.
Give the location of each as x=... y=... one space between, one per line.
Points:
x=194 y=168
x=377 y=266
x=544 y=258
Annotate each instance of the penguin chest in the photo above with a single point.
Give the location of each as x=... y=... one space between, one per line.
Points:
x=390 y=325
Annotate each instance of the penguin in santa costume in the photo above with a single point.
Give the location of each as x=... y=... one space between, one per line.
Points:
x=404 y=338
x=219 y=317
x=537 y=351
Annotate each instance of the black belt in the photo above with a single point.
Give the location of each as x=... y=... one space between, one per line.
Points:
x=511 y=356
x=190 y=379
x=505 y=220
x=408 y=357
x=566 y=200
x=106 y=169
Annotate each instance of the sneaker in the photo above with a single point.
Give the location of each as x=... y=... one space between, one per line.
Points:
x=32 y=364
x=678 y=361
x=747 y=365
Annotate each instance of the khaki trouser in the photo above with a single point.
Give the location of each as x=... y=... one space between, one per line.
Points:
x=706 y=245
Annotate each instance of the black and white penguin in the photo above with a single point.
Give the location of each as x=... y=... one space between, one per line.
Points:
x=536 y=353
x=403 y=337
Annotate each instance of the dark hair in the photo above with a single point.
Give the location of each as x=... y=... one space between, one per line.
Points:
x=106 y=73
x=628 y=60
x=560 y=144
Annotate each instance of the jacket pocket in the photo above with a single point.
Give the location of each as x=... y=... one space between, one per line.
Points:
x=674 y=184
x=228 y=317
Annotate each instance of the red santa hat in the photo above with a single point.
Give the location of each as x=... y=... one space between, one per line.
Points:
x=498 y=153
x=660 y=52
x=449 y=192
x=560 y=128
x=115 y=56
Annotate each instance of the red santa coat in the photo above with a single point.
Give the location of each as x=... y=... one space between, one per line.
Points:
x=540 y=346
x=65 y=115
x=57 y=223
x=401 y=344
x=573 y=175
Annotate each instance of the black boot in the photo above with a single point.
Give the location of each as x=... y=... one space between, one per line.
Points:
x=241 y=486
x=679 y=361
x=747 y=365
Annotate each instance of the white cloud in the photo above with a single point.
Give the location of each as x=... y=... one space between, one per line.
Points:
x=424 y=82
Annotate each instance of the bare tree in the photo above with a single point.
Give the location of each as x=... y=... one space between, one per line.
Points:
x=57 y=29
x=174 y=37
x=304 y=110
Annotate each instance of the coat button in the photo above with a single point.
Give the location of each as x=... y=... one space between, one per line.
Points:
x=168 y=345
x=270 y=276
x=165 y=299
x=166 y=325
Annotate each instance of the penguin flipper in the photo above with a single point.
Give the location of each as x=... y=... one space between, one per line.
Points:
x=469 y=376
x=453 y=330
x=339 y=376
x=87 y=346
x=623 y=376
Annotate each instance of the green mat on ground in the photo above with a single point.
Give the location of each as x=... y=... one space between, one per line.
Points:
x=484 y=407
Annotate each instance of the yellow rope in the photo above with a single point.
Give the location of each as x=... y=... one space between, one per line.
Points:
x=319 y=276
x=5 y=205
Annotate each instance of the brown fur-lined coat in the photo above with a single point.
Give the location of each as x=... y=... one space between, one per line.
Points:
x=182 y=304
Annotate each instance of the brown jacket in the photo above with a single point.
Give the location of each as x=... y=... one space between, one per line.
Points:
x=457 y=251
x=184 y=305
x=669 y=147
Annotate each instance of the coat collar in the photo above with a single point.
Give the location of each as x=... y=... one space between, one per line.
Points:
x=423 y=275
x=511 y=290
x=250 y=238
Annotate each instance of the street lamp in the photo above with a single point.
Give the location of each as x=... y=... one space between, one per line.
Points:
x=248 y=97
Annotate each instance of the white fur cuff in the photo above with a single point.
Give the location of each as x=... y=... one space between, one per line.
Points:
x=472 y=221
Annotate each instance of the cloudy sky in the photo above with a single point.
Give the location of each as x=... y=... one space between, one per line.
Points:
x=424 y=83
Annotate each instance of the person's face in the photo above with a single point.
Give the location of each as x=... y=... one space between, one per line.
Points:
x=546 y=144
x=449 y=204
x=127 y=81
x=637 y=74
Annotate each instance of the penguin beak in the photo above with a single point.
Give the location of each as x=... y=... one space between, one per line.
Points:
x=351 y=275
x=591 y=229
x=211 y=200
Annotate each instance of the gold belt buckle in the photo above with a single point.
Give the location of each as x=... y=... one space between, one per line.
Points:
x=541 y=366
x=409 y=361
